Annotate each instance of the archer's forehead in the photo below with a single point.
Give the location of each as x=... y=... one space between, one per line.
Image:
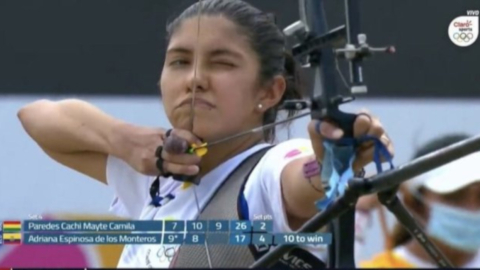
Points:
x=209 y=33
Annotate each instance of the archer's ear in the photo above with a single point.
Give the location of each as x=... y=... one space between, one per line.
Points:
x=271 y=94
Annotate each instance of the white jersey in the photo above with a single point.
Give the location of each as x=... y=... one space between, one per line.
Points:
x=262 y=193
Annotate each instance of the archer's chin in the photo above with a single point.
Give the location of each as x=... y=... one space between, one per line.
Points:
x=206 y=131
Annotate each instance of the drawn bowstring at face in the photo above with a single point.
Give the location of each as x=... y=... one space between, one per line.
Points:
x=243 y=72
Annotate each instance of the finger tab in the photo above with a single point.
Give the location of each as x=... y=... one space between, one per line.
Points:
x=160 y=167
x=176 y=145
x=158 y=152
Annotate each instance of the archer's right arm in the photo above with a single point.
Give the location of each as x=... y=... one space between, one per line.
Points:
x=80 y=136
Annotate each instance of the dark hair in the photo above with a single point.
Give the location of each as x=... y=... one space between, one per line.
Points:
x=266 y=39
x=399 y=234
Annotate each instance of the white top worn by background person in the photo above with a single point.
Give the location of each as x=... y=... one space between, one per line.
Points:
x=262 y=193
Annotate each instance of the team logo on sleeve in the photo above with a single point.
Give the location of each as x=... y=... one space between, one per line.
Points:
x=296 y=152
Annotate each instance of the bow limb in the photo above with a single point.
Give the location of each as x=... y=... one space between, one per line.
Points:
x=326 y=98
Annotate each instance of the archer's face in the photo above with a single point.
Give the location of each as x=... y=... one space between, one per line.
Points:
x=226 y=79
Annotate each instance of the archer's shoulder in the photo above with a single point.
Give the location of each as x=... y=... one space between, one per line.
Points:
x=270 y=167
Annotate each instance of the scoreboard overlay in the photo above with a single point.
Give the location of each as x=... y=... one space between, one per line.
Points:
x=182 y=232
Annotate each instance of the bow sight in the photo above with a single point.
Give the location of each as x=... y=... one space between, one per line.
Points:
x=313 y=50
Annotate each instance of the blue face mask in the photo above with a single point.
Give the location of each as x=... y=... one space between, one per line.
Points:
x=456 y=227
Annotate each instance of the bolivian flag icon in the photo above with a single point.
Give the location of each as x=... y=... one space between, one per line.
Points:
x=12 y=232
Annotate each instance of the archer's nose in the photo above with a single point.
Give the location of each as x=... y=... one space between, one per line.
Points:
x=197 y=79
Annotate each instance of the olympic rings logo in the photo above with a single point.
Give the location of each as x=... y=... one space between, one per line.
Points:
x=166 y=254
x=163 y=255
x=465 y=37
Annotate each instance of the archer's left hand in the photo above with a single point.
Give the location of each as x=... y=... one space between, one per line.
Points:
x=365 y=124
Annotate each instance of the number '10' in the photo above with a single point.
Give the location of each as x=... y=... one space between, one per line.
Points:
x=289 y=238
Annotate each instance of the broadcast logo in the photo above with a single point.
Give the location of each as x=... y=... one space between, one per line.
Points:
x=463 y=30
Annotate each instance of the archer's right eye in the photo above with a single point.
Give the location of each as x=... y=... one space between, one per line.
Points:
x=178 y=63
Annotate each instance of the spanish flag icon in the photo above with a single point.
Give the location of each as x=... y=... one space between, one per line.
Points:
x=12 y=232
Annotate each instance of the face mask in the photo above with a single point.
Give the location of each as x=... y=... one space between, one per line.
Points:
x=456 y=227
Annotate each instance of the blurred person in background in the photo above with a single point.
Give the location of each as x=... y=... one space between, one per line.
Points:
x=446 y=201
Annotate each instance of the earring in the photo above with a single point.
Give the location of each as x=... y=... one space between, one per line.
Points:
x=260 y=106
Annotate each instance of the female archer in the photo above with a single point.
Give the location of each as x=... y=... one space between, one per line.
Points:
x=225 y=72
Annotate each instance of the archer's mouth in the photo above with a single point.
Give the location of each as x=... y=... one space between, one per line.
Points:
x=199 y=102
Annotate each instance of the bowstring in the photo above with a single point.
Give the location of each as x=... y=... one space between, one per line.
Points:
x=192 y=115
x=210 y=264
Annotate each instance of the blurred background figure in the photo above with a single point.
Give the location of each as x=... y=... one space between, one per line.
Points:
x=446 y=201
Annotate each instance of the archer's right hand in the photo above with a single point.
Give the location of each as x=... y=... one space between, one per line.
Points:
x=173 y=157
x=136 y=145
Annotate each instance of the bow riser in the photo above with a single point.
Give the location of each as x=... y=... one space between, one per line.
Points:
x=316 y=52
